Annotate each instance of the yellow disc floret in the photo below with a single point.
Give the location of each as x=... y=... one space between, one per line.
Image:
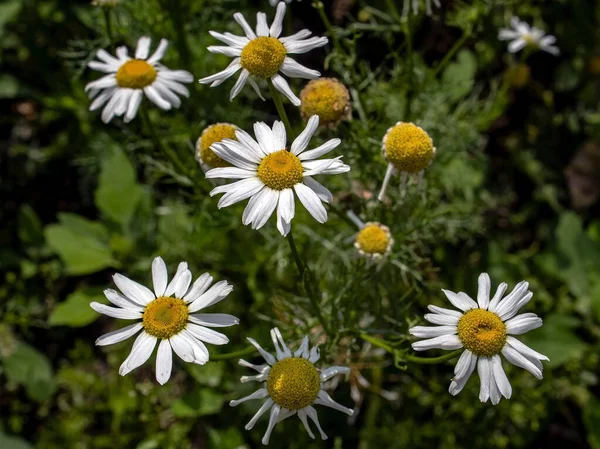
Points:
x=374 y=238
x=327 y=98
x=263 y=56
x=293 y=383
x=280 y=170
x=135 y=74
x=165 y=317
x=482 y=332
x=213 y=134
x=408 y=147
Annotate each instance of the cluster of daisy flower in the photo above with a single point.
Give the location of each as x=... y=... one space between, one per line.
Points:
x=271 y=174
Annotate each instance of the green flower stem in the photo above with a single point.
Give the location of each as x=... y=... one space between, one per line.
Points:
x=108 y=24
x=408 y=357
x=159 y=143
x=321 y=10
x=280 y=109
x=307 y=281
x=409 y=69
x=233 y=355
x=450 y=54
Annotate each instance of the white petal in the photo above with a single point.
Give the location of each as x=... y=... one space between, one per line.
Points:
x=182 y=348
x=523 y=323
x=230 y=173
x=239 y=191
x=524 y=349
x=286 y=205
x=302 y=34
x=460 y=300
x=216 y=293
x=273 y=419
x=140 y=352
x=518 y=359
x=483 y=292
x=122 y=53
x=464 y=363
x=239 y=18
x=303 y=46
x=103 y=67
x=512 y=311
x=277 y=25
x=164 y=362
x=312 y=414
x=119 y=335
x=497 y=297
x=199 y=349
x=258 y=394
x=320 y=150
x=301 y=142
x=214 y=319
x=143 y=48
x=159 y=276
x=444 y=320
x=230 y=39
x=484 y=369
x=155 y=98
x=315 y=353
x=432 y=331
x=267 y=356
x=102 y=83
x=232 y=52
x=261 y=411
x=516 y=45
x=443 y=311
x=179 y=280
x=507 y=305
x=458 y=383
x=302 y=350
x=262 y=30
x=283 y=352
x=500 y=377
x=103 y=55
x=302 y=415
x=120 y=301
x=239 y=84
x=264 y=136
x=182 y=76
x=220 y=77
x=322 y=192
x=207 y=335
x=279 y=136
x=258 y=368
x=167 y=94
x=133 y=106
x=260 y=208
x=324 y=399
x=295 y=70
x=282 y=86
x=311 y=202
x=198 y=288
x=333 y=371
x=123 y=314
x=102 y=99
x=237 y=154
x=159 y=52
x=250 y=144
x=448 y=342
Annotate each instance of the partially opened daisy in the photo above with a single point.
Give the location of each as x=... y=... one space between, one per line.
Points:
x=269 y=174
x=374 y=240
x=292 y=384
x=129 y=79
x=168 y=316
x=522 y=35
x=485 y=330
x=262 y=54
x=408 y=149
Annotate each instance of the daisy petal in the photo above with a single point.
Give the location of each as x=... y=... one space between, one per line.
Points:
x=164 y=362
x=119 y=335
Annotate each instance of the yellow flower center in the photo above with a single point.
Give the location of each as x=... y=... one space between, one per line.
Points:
x=263 y=56
x=135 y=74
x=408 y=148
x=373 y=239
x=280 y=170
x=165 y=317
x=293 y=383
x=482 y=332
x=212 y=134
x=327 y=98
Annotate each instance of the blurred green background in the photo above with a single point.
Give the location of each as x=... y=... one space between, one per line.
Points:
x=513 y=191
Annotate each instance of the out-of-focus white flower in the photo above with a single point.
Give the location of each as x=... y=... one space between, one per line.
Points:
x=522 y=35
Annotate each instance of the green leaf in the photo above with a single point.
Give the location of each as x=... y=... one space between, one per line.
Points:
x=29 y=367
x=198 y=403
x=557 y=340
x=7 y=442
x=8 y=12
x=591 y=418
x=230 y=438
x=30 y=227
x=75 y=311
x=118 y=193
x=459 y=77
x=81 y=244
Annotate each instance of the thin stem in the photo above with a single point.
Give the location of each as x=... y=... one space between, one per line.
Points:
x=450 y=54
x=409 y=69
x=408 y=357
x=321 y=10
x=108 y=24
x=159 y=143
x=280 y=109
x=233 y=355
x=307 y=281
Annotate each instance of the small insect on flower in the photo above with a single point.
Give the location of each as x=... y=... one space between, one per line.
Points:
x=374 y=240
x=211 y=135
x=522 y=35
x=292 y=384
x=485 y=330
x=408 y=149
x=169 y=315
x=128 y=79
x=270 y=174
x=262 y=54
x=328 y=98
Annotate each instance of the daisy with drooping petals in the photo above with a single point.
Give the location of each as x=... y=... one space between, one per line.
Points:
x=292 y=384
x=128 y=79
x=211 y=135
x=262 y=54
x=408 y=149
x=485 y=330
x=168 y=317
x=329 y=99
x=374 y=241
x=522 y=35
x=270 y=174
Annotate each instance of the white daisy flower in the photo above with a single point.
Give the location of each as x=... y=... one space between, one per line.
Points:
x=262 y=54
x=408 y=149
x=414 y=4
x=168 y=317
x=292 y=384
x=522 y=35
x=485 y=330
x=127 y=79
x=269 y=174
x=374 y=240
